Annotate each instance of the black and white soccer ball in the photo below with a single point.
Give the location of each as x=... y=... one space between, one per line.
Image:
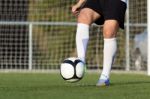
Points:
x=72 y=69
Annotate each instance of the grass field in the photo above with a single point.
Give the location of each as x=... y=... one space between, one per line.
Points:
x=52 y=86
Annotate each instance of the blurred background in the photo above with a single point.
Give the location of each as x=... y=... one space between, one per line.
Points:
x=40 y=34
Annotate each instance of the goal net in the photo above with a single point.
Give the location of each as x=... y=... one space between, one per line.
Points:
x=40 y=34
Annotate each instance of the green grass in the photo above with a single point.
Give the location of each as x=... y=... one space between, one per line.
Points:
x=52 y=86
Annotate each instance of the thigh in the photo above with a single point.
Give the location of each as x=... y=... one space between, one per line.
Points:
x=110 y=28
x=87 y=16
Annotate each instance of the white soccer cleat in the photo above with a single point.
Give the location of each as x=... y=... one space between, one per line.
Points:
x=102 y=82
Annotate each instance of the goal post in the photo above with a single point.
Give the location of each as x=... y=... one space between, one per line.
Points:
x=148 y=26
x=40 y=34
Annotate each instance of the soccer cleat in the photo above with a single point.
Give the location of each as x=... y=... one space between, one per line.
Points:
x=102 y=82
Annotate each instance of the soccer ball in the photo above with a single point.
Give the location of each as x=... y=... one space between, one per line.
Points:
x=72 y=69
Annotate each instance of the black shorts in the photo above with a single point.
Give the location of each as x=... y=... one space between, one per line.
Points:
x=108 y=9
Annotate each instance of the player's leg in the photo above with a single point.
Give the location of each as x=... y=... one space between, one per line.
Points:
x=110 y=47
x=86 y=17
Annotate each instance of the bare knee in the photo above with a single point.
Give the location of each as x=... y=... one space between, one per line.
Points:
x=87 y=16
x=110 y=29
x=109 y=34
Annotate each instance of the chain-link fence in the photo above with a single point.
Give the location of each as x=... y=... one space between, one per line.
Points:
x=39 y=34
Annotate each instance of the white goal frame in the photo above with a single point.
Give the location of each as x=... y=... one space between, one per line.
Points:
x=148 y=28
x=30 y=25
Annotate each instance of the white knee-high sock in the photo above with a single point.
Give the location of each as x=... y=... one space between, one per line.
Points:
x=82 y=38
x=109 y=52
